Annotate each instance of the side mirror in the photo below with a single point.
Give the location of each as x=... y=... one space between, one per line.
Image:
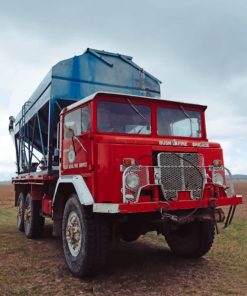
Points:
x=11 y=124
x=69 y=131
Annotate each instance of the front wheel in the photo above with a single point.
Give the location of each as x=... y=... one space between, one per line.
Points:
x=86 y=238
x=190 y=240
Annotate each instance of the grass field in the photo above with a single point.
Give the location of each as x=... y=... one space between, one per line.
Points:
x=146 y=267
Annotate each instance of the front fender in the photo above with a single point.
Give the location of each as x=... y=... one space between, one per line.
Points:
x=84 y=195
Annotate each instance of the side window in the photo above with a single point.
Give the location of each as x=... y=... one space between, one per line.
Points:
x=85 y=119
x=72 y=124
x=76 y=122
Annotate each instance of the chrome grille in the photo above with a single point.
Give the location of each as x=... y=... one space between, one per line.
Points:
x=181 y=172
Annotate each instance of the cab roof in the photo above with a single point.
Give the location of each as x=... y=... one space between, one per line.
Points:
x=97 y=94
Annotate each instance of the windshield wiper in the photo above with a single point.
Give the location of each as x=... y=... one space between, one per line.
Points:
x=190 y=119
x=140 y=114
x=135 y=109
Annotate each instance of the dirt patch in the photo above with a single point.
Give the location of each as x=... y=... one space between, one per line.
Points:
x=146 y=267
x=241 y=188
x=6 y=196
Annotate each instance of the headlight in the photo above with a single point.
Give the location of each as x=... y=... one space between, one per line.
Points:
x=132 y=181
x=218 y=179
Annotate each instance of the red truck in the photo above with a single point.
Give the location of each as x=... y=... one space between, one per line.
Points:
x=118 y=165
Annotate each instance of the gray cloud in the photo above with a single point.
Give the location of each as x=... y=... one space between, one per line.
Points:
x=197 y=48
x=203 y=37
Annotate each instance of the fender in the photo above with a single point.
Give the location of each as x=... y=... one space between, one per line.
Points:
x=81 y=189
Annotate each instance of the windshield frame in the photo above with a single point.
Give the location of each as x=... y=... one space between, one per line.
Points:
x=154 y=104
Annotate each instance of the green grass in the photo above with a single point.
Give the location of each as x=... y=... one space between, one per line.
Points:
x=231 y=247
x=7 y=217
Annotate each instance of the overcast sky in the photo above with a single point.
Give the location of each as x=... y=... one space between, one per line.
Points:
x=196 y=48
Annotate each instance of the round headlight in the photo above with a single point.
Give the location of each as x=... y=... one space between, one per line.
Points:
x=132 y=181
x=218 y=179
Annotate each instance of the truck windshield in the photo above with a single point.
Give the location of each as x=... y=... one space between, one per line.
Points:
x=127 y=118
x=178 y=122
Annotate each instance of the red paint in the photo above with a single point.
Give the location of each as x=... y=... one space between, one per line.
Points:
x=47 y=204
x=105 y=153
x=144 y=207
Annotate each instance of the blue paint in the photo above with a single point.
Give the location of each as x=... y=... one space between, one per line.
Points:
x=76 y=78
x=92 y=72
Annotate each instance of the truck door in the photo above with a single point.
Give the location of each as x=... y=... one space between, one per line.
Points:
x=76 y=141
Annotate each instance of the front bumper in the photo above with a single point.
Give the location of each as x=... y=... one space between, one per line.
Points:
x=145 y=207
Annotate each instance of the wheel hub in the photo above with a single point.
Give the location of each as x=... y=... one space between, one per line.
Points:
x=73 y=233
x=20 y=210
x=27 y=214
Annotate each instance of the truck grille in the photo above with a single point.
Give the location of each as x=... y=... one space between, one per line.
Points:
x=181 y=172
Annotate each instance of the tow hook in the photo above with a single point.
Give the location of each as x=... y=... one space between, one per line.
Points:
x=217 y=215
x=165 y=216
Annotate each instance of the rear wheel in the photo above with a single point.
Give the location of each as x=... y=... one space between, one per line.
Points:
x=86 y=238
x=20 y=212
x=191 y=240
x=33 y=222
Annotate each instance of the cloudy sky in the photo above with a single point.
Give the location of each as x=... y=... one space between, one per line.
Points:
x=198 y=49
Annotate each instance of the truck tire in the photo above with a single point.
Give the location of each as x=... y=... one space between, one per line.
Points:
x=86 y=238
x=20 y=212
x=191 y=240
x=33 y=222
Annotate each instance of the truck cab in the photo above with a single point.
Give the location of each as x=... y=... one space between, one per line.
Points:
x=136 y=151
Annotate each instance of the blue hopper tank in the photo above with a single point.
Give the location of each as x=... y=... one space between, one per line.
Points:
x=72 y=80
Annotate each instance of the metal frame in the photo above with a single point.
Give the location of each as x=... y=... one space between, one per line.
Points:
x=134 y=195
x=32 y=131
